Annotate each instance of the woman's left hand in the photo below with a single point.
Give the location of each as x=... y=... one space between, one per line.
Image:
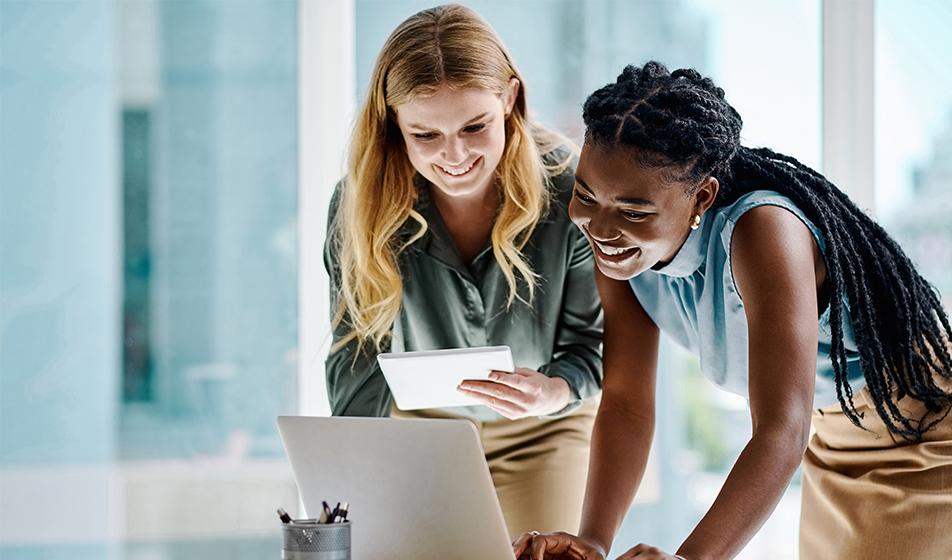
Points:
x=647 y=552
x=524 y=393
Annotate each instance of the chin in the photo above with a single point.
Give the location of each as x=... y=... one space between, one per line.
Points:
x=621 y=271
x=615 y=273
x=469 y=186
x=474 y=185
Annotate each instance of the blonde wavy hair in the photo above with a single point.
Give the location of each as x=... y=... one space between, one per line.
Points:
x=449 y=45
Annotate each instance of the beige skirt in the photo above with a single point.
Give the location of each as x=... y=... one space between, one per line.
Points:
x=873 y=495
x=539 y=466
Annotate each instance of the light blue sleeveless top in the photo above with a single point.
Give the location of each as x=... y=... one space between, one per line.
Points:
x=694 y=301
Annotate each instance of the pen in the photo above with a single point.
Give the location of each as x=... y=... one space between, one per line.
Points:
x=327 y=509
x=342 y=514
x=285 y=518
x=336 y=511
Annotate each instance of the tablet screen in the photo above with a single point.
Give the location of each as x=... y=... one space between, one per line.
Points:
x=428 y=379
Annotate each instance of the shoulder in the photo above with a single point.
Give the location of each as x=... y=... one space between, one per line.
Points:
x=760 y=235
x=336 y=197
x=559 y=156
x=754 y=199
x=771 y=246
x=560 y=164
x=332 y=209
x=769 y=226
x=762 y=209
x=338 y=191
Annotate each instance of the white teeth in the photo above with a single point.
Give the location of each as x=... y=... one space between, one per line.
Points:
x=458 y=172
x=612 y=251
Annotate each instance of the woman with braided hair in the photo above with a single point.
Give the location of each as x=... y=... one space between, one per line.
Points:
x=790 y=296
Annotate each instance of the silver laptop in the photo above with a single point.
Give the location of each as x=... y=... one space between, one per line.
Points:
x=418 y=489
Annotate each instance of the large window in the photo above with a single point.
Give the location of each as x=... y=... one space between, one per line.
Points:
x=914 y=133
x=150 y=276
x=207 y=98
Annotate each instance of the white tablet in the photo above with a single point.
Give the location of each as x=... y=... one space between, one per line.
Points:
x=429 y=379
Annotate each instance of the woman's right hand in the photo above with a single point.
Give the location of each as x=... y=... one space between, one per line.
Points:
x=539 y=546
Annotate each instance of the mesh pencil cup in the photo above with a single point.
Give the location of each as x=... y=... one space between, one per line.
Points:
x=316 y=541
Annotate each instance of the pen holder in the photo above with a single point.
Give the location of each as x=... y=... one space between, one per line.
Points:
x=316 y=541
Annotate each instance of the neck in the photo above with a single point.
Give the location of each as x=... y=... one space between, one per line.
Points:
x=474 y=206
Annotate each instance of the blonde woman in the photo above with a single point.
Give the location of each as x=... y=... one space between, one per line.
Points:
x=451 y=230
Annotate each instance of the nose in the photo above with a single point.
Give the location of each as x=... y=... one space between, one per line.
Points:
x=600 y=228
x=454 y=152
x=599 y=232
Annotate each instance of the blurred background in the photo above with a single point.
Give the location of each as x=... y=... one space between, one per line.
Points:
x=164 y=172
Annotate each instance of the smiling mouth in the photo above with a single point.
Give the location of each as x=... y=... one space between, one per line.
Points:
x=459 y=171
x=610 y=253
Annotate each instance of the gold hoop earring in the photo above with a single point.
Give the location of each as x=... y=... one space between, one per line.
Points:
x=697 y=221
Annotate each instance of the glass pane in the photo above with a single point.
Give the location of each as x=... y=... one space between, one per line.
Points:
x=914 y=133
x=766 y=55
x=149 y=275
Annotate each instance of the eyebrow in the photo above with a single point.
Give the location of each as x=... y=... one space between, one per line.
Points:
x=621 y=199
x=465 y=124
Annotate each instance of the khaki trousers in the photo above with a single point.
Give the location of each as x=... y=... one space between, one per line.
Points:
x=872 y=495
x=538 y=466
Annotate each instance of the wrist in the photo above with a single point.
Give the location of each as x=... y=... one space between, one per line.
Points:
x=557 y=387
x=598 y=544
x=691 y=555
x=557 y=397
x=563 y=392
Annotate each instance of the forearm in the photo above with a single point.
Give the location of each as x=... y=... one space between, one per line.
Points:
x=754 y=486
x=621 y=440
x=356 y=388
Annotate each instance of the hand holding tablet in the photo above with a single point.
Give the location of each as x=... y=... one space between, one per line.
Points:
x=520 y=394
x=471 y=376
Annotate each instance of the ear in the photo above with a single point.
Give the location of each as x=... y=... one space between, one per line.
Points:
x=512 y=93
x=705 y=195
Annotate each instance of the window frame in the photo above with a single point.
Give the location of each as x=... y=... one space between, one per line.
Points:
x=326 y=47
x=847 y=99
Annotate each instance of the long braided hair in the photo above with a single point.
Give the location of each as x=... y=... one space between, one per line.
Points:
x=680 y=122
